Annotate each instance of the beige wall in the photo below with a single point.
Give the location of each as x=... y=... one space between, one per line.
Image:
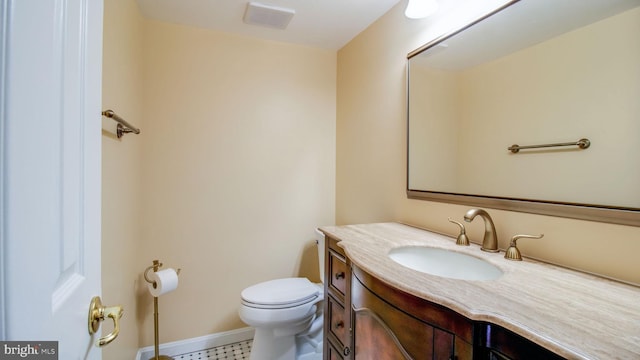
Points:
x=238 y=170
x=371 y=155
x=233 y=170
x=121 y=174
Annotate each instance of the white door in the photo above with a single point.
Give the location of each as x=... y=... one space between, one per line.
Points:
x=50 y=72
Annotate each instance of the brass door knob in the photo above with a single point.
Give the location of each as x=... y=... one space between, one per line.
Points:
x=97 y=313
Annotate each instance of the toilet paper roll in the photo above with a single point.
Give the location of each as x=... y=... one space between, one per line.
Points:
x=165 y=281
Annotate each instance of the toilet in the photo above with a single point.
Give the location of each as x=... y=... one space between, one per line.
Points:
x=287 y=315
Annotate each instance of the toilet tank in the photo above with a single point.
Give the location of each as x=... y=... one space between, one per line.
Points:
x=320 y=243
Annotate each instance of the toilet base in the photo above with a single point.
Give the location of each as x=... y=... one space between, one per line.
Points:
x=309 y=346
x=267 y=346
x=301 y=342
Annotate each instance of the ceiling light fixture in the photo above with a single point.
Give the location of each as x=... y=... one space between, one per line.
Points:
x=419 y=9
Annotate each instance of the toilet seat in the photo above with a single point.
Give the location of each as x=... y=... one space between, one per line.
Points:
x=280 y=293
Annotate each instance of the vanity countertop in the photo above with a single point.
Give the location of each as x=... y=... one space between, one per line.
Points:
x=576 y=315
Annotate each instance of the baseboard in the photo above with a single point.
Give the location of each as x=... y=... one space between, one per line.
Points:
x=195 y=344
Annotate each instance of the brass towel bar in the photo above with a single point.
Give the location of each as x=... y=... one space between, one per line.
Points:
x=582 y=144
x=123 y=126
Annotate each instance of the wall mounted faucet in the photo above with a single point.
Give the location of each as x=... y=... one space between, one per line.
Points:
x=490 y=240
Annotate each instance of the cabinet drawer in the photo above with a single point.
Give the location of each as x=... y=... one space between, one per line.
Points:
x=338 y=271
x=334 y=354
x=338 y=325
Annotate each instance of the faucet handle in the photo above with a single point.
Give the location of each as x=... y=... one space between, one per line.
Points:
x=512 y=252
x=462 y=239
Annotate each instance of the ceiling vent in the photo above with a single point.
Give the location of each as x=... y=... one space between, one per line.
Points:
x=267 y=15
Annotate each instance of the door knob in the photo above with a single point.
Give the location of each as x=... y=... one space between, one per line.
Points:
x=97 y=313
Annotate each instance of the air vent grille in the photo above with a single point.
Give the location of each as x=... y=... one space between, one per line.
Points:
x=267 y=15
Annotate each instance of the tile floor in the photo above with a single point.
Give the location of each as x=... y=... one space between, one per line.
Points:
x=235 y=351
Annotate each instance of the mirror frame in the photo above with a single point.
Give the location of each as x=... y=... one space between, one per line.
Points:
x=590 y=212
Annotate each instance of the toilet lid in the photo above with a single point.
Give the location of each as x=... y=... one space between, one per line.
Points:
x=280 y=293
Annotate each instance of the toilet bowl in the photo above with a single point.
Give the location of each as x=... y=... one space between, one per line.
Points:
x=287 y=316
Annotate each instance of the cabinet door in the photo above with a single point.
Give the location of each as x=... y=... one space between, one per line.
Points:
x=381 y=331
x=374 y=339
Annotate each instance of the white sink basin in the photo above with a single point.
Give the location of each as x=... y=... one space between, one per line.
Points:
x=444 y=263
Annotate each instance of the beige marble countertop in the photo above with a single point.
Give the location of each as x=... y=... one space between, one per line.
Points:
x=576 y=315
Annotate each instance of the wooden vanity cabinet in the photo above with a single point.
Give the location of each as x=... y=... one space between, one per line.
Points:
x=337 y=323
x=367 y=319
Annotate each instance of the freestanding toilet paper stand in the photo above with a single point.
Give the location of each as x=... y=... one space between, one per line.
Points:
x=156 y=265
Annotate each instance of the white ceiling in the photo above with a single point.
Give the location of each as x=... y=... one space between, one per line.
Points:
x=326 y=24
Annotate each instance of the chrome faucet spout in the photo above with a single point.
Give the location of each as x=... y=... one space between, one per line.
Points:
x=490 y=240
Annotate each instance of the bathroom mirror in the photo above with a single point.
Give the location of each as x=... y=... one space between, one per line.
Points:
x=533 y=73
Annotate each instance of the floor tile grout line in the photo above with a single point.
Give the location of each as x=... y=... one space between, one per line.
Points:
x=235 y=351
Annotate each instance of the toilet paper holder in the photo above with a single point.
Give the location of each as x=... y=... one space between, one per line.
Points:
x=156 y=265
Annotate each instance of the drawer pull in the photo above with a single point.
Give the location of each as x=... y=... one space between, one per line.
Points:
x=339 y=325
x=340 y=275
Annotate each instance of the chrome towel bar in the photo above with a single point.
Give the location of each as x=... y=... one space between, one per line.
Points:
x=582 y=144
x=123 y=126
